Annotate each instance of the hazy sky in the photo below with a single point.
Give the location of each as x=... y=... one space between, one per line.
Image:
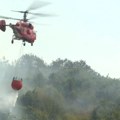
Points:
x=84 y=29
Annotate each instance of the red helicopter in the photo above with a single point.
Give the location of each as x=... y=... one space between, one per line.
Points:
x=23 y=29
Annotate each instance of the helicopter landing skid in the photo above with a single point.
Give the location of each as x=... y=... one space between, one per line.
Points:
x=13 y=37
x=24 y=43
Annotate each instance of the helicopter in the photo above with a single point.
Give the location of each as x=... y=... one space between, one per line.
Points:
x=23 y=29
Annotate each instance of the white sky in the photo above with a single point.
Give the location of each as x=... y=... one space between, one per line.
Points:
x=84 y=29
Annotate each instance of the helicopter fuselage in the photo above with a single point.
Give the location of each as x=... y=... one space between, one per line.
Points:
x=23 y=31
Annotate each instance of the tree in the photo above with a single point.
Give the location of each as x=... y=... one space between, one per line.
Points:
x=38 y=105
x=106 y=110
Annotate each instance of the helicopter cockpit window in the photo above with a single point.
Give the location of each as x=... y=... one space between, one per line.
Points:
x=30 y=26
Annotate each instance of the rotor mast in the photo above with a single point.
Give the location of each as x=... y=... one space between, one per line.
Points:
x=25 y=16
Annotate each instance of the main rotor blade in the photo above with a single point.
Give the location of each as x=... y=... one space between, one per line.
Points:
x=38 y=14
x=37 y=4
x=19 y=11
x=41 y=14
x=9 y=18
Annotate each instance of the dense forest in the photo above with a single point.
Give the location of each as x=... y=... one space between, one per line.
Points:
x=62 y=90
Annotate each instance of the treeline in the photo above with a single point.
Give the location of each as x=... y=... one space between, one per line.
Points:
x=63 y=90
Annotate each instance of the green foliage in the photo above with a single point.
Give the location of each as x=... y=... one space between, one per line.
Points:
x=38 y=104
x=81 y=116
x=106 y=110
x=63 y=90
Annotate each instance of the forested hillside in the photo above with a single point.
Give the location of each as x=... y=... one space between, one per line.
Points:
x=63 y=90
